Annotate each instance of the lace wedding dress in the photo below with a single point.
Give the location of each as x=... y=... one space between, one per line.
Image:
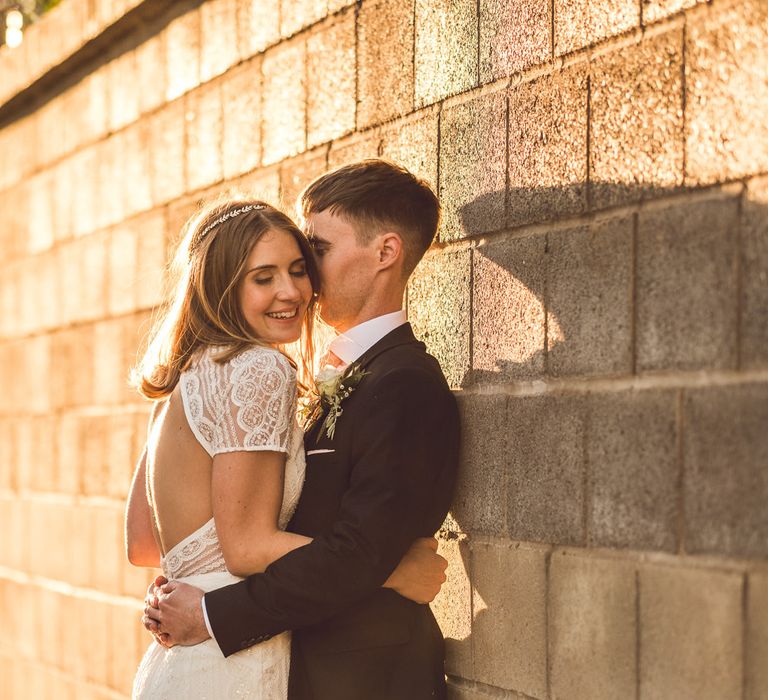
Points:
x=248 y=403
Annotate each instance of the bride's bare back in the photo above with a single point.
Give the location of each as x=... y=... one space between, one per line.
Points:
x=178 y=475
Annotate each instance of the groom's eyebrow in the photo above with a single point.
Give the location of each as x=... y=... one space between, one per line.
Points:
x=317 y=240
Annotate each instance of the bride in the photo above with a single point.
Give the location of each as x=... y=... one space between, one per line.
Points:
x=223 y=466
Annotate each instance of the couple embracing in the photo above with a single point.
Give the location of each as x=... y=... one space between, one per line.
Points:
x=298 y=559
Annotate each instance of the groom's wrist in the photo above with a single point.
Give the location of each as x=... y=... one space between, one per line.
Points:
x=205 y=618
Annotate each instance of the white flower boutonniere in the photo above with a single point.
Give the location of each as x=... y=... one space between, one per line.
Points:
x=332 y=387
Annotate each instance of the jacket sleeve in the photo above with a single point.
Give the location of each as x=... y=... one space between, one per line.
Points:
x=410 y=449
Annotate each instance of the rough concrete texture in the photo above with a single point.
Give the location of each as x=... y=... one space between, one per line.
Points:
x=241 y=138
x=182 y=55
x=453 y=607
x=757 y=637
x=690 y=634
x=473 y=142
x=726 y=482
x=753 y=321
x=545 y=496
x=513 y=36
x=438 y=308
x=122 y=95
x=686 y=286
x=580 y=23
x=284 y=101
x=167 y=153
x=548 y=147
x=218 y=41
x=203 y=121
x=510 y=619
x=636 y=121
x=727 y=93
x=297 y=14
x=331 y=81
x=354 y=148
x=385 y=61
x=446 y=48
x=508 y=309
x=413 y=144
x=633 y=470
x=480 y=504
x=296 y=174
x=592 y=628
x=258 y=26
x=589 y=298
x=655 y=10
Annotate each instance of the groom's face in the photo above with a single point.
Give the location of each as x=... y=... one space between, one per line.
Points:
x=347 y=269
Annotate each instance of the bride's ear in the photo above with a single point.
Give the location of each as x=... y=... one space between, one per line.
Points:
x=390 y=249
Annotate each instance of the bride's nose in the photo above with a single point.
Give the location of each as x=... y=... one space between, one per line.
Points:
x=288 y=290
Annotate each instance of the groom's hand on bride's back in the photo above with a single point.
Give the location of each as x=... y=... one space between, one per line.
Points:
x=420 y=573
x=173 y=613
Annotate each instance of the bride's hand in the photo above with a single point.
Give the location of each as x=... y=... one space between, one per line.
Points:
x=178 y=617
x=151 y=602
x=420 y=573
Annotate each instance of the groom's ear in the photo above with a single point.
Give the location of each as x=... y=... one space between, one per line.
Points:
x=390 y=249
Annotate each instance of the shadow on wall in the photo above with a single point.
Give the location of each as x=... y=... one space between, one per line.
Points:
x=663 y=281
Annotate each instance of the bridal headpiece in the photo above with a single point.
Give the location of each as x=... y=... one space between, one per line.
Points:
x=220 y=220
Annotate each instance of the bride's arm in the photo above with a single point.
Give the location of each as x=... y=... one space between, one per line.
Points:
x=247 y=491
x=140 y=543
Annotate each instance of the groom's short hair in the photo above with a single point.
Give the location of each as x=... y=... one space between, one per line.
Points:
x=374 y=195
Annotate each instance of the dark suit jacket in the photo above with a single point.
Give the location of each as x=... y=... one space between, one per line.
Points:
x=388 y=480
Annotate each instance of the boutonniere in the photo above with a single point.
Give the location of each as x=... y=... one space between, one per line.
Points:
x=332 y=387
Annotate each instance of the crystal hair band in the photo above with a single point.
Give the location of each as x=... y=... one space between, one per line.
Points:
x=229 y=215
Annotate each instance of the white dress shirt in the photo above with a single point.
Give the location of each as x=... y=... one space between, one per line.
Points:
x=348 y=347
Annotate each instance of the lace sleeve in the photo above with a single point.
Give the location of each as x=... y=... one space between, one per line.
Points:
x=257 y=405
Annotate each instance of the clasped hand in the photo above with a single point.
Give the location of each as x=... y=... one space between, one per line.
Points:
x=173 y=611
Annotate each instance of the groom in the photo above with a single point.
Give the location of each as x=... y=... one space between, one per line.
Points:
x=377 y=478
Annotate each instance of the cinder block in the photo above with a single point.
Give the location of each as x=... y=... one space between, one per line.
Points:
x=439 y=309
x=632 y=456
x=656 y=10
x=446 y=49
x=592 y=627
x=473 y=143
x=725 y=453
x=508 y=309
x=545 y=494
x=241 y=97
x=85 y=204
x=297 y=14
x=726 y=93
x=106 y=547
x=260 y=184
x=690 y=634
x=151 y=73
x=548 y=154
x=123 y=88
x=123 y=268
x=385 y=61
x=94 y=454
x=284 y=102
x=127 y=644
x=509 y=637
x=580 y=23
x=753 y=319
x=98 y=654
x=182 y=54
x=203 y=127
x=71 y=367
x=756 y=651
x=68 y=457
x=589 y=297
x=513 y=36
x=49 y=633
x=354 y=149
x=136 y=168
x=258 y=26
x=218 y=41
x=119 y=162
x=686 y=286
x=119 y=455
x=167 y=152
x=153 y=258
x=453 y=607
x=479 y=505
x=636 y=121
x=93 y=277
x=331 y=57
x=297 y=173
x=41 y=222
x=412 y=143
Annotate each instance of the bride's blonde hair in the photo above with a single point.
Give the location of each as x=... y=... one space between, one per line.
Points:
x=204 y=309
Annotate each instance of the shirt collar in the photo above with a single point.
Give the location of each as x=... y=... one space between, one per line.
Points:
x=351 y=344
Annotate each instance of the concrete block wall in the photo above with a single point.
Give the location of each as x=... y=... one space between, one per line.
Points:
x=597 y=297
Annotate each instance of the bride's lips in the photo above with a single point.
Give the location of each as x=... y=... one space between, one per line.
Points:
x=283 y=315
